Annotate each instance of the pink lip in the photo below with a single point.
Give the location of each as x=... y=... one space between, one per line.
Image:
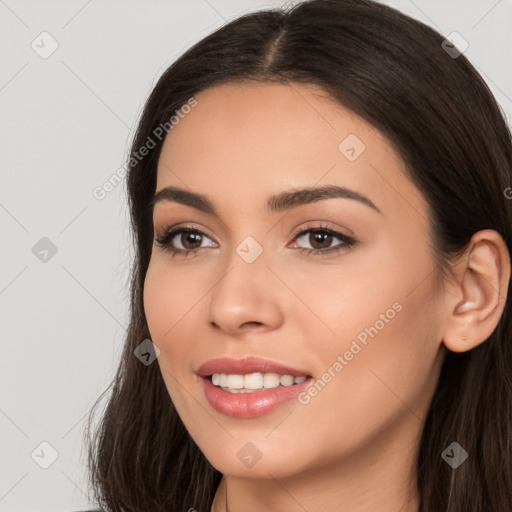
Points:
x=249 y=405
x=256 y=403
x=249 y=364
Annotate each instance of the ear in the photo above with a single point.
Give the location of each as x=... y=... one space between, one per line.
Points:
x=477 y=298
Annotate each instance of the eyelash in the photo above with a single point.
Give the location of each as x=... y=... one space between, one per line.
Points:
x=348 y=242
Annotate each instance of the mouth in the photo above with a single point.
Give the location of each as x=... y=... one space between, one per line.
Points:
x=250 y=387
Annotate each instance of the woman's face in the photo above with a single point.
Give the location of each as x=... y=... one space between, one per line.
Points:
x=362 y=321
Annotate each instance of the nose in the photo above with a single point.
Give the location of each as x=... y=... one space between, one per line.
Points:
x=245 y=298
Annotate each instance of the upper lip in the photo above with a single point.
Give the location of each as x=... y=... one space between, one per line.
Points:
x=246 y=365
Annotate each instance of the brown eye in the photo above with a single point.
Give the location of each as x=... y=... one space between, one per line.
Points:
x=320 y=239
x=182 y=241
x=190 y=239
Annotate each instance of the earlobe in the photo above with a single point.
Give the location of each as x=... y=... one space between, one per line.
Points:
x=480 y=292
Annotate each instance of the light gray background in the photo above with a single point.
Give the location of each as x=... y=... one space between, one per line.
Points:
x=65 y=125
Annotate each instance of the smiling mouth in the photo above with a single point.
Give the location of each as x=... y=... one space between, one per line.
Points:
x=254 y=382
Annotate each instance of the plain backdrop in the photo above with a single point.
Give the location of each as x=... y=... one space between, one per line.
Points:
x=66 y=122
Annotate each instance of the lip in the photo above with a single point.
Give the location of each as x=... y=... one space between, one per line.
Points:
x=255 y=403
x=246 y=365
x=250 y=405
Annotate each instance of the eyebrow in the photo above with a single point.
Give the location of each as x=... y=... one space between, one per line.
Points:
x=275 y=203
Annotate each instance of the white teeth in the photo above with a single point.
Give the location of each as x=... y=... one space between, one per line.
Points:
x=235 y=381
x=286 y=380
x=254 y=381
x=270 y=380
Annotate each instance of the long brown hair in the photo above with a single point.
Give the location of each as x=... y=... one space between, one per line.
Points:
x=444 y=122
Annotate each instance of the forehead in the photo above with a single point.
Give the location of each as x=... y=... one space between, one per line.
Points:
x=264 y=119
x=254 y=139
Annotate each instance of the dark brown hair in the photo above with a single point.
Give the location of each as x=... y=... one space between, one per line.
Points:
x=444 y=122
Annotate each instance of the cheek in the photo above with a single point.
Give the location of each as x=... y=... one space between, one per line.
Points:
x=173 y=299
x=169 y=296
x=156 y=301
x=352 y=294
x=380 y=314
x=393 y=339
x=165 y=304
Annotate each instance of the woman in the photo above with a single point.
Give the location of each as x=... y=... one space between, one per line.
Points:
x=319 y=299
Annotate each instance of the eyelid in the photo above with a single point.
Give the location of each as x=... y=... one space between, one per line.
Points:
x=322 y=226
x=295 y=232
x=170 y=232
x=347 y=241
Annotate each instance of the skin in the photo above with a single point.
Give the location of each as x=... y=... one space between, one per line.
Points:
x=353 y=447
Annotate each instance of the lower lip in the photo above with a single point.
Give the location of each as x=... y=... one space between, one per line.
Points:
x=249 y=405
